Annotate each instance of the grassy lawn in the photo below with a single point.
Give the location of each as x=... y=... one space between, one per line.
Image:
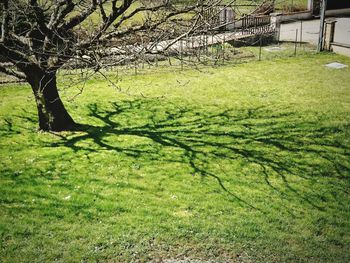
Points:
x=246 y=163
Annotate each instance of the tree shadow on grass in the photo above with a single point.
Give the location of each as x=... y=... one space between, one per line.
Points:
x=281 y=145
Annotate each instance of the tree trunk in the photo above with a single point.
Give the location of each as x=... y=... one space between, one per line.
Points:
x=52 y=114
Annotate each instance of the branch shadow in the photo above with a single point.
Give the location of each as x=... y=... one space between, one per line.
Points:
x=280 y=144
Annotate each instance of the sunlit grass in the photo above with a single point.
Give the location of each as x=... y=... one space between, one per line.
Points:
x=244 y=161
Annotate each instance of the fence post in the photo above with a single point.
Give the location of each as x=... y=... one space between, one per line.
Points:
x=187 y=49
x=212 y=45
x=301 y=32
x=223 y=50
x=275 y=24
x=234 y=47
x=260 y=47
x=329 y=34
x=206 y=46
x=199 y=48
x=296 y=40
x=135 y=66
x=181 y=55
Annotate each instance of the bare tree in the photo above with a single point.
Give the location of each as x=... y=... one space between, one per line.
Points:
x=39 y=37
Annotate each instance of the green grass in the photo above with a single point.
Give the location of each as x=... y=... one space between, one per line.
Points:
x=246 y=162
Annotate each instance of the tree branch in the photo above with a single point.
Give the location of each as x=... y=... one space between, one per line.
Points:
x=5 y=20
x=40 y=18
x=138 y=10
x=5 y=68
x=102 y=10
x=146 y=25
x=78 y=19
x=57 y=15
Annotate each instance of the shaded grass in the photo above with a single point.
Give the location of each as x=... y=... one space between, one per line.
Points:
x=242 y=162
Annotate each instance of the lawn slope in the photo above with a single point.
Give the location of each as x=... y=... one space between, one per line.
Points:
x=244 y=162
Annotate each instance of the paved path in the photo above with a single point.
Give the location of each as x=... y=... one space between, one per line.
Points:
x=307 y=31
x=205 y=40
x=187 y=43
